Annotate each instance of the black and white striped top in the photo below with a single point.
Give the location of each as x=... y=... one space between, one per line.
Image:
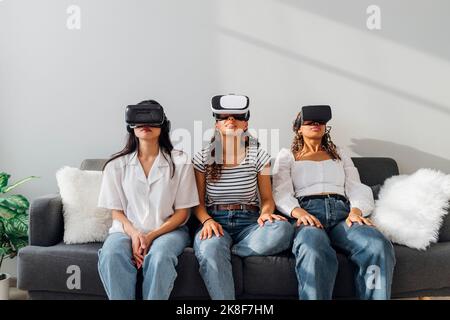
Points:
x=238 y=184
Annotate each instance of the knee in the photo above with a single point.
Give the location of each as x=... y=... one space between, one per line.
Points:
x=279 y=238
x=379 y=246
x=212 y=247
x=159 y=258
x=313 y=243
x=311 y=237
x=113 y=255
x=285 y=230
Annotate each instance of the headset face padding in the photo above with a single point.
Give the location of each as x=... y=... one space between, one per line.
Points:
x=167 y=123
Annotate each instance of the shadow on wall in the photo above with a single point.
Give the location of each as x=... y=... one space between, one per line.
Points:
x=333 y=69
x=400 y=24
x=409 y=159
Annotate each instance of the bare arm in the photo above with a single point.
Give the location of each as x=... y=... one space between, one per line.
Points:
x=210 y=226
x=174 y=221
x=265 y=191
x=127 y=225
x=200 y=211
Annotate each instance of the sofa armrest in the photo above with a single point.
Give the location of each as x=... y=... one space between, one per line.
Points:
x=444 y=232
x=46 y=221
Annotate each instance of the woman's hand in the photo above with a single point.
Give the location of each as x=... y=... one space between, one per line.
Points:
x=303 y=217
x=270 y=217
x=138 y=253
x=146 y=242
x=356 y=215
x=209 y=227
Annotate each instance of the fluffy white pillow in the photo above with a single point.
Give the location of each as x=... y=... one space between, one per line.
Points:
x=410 y=208
x=83 y=220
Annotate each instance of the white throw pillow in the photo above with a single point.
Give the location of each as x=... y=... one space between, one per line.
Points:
x=83 y=220
x=410 y=208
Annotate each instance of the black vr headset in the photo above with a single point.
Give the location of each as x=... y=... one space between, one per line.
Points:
x=317 y=113
x=146 y=113
x=237 y=105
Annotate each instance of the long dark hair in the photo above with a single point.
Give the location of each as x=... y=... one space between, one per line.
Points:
x=326 y=143
x=213 y=170
x=132 y=144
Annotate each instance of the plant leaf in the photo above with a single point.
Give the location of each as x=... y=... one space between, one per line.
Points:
x=5 y=248
x=16 y=202
x=4 y=177
x=18 y=183
x=17 y=226
x=6 y=212
x=18 y=243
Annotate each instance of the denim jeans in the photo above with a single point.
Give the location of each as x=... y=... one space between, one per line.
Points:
x=243 y=237
x=316 y=262
x=118 y=274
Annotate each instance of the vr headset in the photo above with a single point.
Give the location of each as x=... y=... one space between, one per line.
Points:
x=317 y=113
x=224 y=105
x=147 y=113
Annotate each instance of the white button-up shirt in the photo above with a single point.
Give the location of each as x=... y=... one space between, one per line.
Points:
x=148 y=201
x=293 y=179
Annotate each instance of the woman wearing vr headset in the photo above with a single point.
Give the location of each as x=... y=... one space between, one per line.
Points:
x=230 y=172
x=149 y=188
x=318 y=187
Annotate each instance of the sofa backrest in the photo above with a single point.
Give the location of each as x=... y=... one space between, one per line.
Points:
x=93 y=164
x=373 y=171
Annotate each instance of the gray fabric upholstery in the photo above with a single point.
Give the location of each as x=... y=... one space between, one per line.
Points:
x=93 y=164
x=284 y=284
x=373 y=171
x=189 y=284
x=444 y=232
x=46 y=221
x=45 y=268
x=42 y=266
x=421 y=270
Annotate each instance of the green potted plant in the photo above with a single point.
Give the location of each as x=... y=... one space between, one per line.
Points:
x=13 y=226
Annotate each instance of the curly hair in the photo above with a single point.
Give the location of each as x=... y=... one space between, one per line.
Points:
x=298 y=142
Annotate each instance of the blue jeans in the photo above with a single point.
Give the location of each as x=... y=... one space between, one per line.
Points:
x=243 y=237
x=118 y=274
x=316 y=262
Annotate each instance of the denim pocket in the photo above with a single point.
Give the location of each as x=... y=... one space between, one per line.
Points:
x=342 y=209
x=304 y=203
x=344 y=205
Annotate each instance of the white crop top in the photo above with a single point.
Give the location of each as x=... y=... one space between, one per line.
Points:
x=293 y=179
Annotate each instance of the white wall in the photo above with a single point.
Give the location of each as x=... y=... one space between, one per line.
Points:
x=63 y=92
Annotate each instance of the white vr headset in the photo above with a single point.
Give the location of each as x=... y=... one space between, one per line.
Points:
x=231 y=104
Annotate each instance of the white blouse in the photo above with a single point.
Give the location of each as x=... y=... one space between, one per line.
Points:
x=147 y=201
x=293 y=179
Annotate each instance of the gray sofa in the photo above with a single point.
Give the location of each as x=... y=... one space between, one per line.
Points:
x=42 y=266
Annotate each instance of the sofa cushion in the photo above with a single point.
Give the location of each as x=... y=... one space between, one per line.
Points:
x=45 y=268
x=421 y=270
x=38 y=265
x=189 y=284
x=414 y=271
x=280 y=279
